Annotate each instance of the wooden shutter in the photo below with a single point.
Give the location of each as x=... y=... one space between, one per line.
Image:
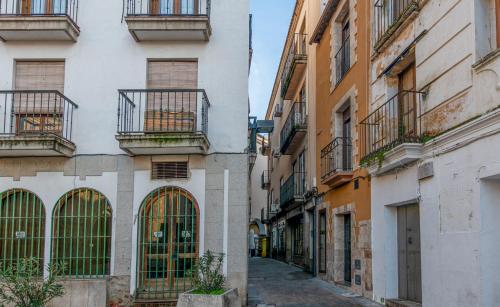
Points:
x=37 y=111
x=172 y=74
x=172 y=111
x=39 y=76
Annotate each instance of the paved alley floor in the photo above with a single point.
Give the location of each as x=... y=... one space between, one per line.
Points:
x=273 y=283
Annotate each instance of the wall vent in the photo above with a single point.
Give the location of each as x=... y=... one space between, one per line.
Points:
x=169 y=170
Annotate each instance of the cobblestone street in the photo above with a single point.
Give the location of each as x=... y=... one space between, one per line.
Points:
x=272 y=283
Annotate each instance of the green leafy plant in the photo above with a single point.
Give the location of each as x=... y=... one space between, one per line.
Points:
x=206 y=275
x=22 y=286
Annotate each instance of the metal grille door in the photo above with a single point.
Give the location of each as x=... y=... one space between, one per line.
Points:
x=81 y=233
x=168 y=244
x=22 y=227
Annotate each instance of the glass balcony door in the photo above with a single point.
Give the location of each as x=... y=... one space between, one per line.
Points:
x=43 y=7
x=174 y=7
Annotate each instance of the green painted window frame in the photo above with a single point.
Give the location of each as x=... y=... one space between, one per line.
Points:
x=81 y=234
x=22 y=227
x=168 y=243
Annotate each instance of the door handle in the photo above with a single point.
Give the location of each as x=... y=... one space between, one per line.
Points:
x=410 y=240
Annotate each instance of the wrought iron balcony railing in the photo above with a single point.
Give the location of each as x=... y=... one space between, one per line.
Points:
x=36 y=112
x=298 y=50
x=388 y=15
x=40 y=8
x=336 y=157
x=168 y=8
x=395 y=122
x=265 y=179
x=157 y=111
x=293 y=189
x=343 y=60
x=297 y=120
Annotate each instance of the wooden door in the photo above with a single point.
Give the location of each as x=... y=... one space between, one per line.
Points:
x=322 y=242
x=347 y=249
x=407 y=114
x=41 y=7
x=409 y=269
x=168 y=243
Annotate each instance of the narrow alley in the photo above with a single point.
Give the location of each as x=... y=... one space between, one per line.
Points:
x=273 y=283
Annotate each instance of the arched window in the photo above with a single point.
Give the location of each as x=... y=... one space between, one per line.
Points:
x=81 y=233
x=168 y=243
x=22 y=227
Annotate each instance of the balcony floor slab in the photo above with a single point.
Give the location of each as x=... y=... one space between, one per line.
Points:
x=397 y=157
x=169 y=28
x=46 y=145
x=38 y=28
x=164 y=144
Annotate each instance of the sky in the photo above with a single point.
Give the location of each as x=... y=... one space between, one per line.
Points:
x=271 y=19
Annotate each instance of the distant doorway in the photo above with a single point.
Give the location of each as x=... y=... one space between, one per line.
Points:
x=347 y=249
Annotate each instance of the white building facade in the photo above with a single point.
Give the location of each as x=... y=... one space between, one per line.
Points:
x=126 y=187
x=431 y=144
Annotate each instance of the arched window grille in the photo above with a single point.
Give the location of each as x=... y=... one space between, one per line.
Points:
x=168 y=243
x=81 y=234
x=22 y=227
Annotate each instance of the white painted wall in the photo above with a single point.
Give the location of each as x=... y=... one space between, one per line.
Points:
x=258 y=195
x=458 y=214
x=106 y=58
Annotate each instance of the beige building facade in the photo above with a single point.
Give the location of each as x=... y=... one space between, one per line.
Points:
x=293 y=154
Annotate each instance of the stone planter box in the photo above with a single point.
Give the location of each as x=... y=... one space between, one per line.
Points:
x=228 y=299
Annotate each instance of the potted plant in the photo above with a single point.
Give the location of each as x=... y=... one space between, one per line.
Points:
x=21 y=284
x=209 y=285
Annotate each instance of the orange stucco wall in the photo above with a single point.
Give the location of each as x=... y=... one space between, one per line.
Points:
x=327 y=99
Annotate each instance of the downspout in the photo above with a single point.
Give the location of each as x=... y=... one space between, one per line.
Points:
x=314 y=237
x=315 y=198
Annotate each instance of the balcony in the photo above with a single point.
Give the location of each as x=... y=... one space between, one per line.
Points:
x=389 y=16
x=163 y=122
x=343 y=60
x=36 y=123
x=336 y=162
x=293 y=189
x=169 y=20
x=295 y=66
x=265 y=179
x=295 y=129
x=37 y=20
x=391 y=135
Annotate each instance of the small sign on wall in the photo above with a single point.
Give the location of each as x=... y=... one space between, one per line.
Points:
x=158 y=234
x=425 y=170
x=20 y=235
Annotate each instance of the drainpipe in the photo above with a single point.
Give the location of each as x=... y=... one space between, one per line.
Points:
x=314 y=237
x=315 y=197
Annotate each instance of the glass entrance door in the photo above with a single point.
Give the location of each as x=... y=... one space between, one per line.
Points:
x=168 y=243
